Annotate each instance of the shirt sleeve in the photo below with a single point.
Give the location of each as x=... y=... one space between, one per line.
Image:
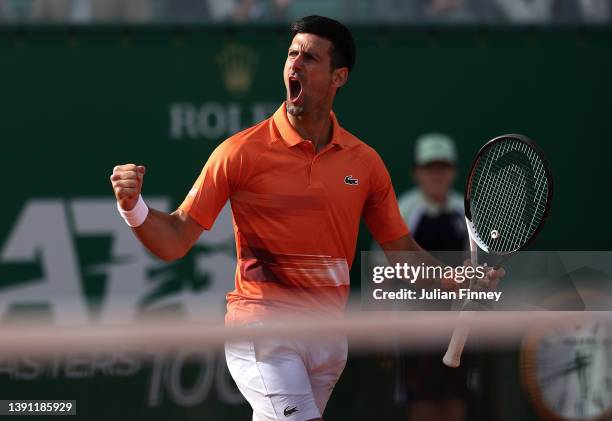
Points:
x=381 y=211
x=214 y=186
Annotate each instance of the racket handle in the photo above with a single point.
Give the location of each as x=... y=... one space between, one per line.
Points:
x=452 y=358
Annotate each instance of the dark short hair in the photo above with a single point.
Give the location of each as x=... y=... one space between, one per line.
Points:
x=343 y=46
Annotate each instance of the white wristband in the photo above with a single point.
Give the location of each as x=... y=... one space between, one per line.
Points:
x=135 y=217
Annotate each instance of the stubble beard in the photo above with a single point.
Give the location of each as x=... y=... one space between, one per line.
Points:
x=295 y=110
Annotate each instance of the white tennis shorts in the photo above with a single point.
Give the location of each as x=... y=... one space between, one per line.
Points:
x=286 y=379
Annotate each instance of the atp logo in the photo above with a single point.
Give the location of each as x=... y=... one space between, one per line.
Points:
x=76 y=260
x=351 y=181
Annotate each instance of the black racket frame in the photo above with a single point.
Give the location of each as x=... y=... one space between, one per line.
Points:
x=524 y=139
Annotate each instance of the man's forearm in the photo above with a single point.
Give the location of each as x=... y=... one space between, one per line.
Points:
x=414 y=255
x=168 y=236
x=408 y=244
x=162 y=235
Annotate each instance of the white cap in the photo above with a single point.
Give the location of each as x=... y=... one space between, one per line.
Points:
x=434 y=147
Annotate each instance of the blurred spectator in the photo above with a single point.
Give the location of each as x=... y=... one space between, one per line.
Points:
x=596 y=11
x=450 y=10
x=85 y=11
x=434 y=213
x=432 y=210
x=249 y=10
x=289 y=10
x=527 y=11
x=337 y=9
x=3 y=12
x=191 y=11
x=436 y=11
x=14 y=10
x=221 y=9
x=556 y=11
x=261 y=10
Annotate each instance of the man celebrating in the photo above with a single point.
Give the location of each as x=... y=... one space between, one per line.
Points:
x=298 y=184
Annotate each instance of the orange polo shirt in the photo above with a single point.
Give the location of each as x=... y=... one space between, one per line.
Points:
x=296 y=215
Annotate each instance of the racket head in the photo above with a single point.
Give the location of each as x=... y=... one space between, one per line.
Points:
x=508 y=194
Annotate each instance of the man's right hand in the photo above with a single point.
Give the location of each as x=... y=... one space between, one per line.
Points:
x=127 y=183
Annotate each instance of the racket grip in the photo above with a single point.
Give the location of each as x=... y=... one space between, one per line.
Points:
x=452 y=358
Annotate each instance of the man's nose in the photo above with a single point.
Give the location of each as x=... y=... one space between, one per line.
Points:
x=297 y=62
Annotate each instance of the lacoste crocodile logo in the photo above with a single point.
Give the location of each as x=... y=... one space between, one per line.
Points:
x=351 y=181
x=288 y=410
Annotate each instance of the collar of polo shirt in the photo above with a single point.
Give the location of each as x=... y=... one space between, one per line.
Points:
x=291 y=137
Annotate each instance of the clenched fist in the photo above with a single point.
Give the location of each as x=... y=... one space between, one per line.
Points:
x=127 y=184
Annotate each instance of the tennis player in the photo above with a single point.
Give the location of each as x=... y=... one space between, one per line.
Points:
x=298 y=184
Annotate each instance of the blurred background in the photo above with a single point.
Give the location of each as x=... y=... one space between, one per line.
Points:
x=417 y=12
x=88 y=84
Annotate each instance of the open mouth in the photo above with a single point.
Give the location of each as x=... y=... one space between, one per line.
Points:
x=295 y=89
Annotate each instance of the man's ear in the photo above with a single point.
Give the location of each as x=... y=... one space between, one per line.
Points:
x=340 y=76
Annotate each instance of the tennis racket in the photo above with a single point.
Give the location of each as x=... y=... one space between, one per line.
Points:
x=507 y=199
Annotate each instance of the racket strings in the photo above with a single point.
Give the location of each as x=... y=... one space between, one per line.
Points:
x=504 y=219
x=507 y=194
x=507 y=225
x=513 y=194
x=489 y=218
x=508 y=191
x=521 y=197
x=508 y=220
